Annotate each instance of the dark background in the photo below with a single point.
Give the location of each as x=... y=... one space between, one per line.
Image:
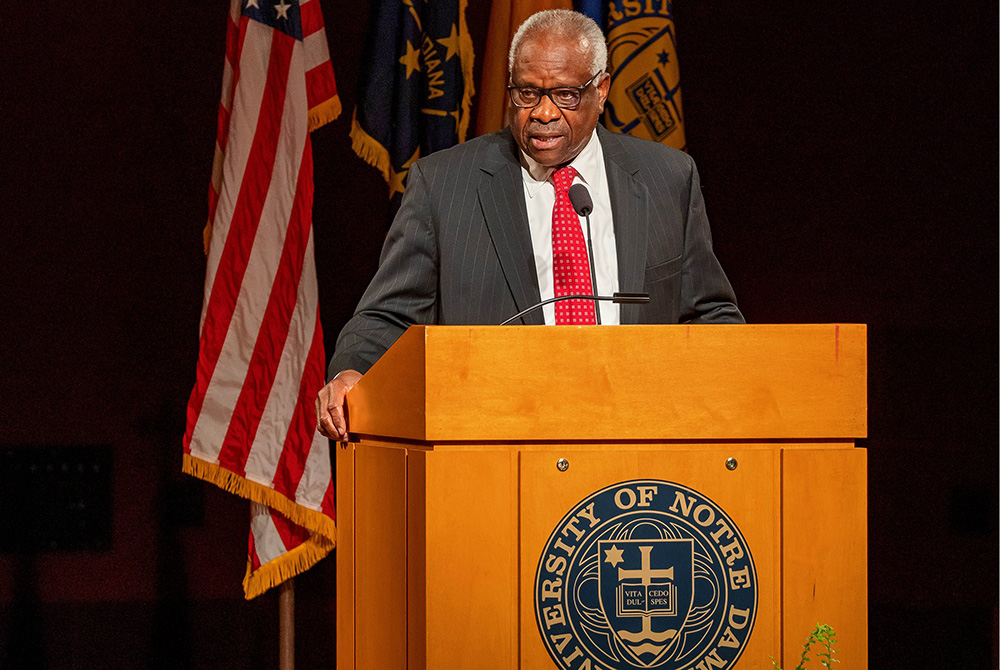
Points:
x=848 y=153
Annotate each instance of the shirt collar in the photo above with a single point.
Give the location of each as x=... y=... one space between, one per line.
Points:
x=587 y=164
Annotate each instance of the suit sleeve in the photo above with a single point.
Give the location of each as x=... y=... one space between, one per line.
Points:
x=706 y=294
x=404 y=289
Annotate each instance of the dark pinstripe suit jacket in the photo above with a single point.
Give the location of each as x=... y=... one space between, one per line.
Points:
x=459 y=250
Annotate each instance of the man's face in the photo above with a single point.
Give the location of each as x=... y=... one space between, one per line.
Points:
x=550 y=135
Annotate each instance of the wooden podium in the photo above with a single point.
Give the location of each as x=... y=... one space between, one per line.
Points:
x=471 y=444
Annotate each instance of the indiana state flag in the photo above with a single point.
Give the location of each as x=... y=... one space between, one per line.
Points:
x=645 y=97
x=416 y=88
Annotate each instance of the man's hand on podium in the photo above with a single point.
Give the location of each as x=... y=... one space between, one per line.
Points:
x=330 y=420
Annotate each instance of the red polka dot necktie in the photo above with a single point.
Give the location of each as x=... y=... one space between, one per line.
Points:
x=570 y=265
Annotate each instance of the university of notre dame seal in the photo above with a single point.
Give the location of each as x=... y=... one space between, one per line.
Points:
x=646 y=574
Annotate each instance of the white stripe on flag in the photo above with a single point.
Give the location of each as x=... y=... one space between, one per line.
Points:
x=246 y=106
x=317 y=51
x=316 y=478
x=227 y=85
x=266 y=539
x=226 y=102
x=280 y=408
x=217 y=163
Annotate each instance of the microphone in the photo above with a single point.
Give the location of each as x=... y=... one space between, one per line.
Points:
x=580 y=198
x=619 y=298
x=583 y=204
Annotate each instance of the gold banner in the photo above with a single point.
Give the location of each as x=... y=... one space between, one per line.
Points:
x=645 y=97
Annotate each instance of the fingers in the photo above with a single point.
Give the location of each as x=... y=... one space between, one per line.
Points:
x=330 y=419
x=326 y=423
x=330 y=411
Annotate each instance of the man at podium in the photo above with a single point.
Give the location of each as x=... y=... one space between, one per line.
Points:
x=549 y=207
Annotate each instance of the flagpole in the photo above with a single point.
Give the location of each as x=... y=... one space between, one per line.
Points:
x=286 y=625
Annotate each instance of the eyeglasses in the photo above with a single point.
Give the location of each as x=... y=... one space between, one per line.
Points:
x=563 y=97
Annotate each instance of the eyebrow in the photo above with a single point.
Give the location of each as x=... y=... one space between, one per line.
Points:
x=514 y=83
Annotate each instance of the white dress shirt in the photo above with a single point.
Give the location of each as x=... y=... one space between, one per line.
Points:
x=540 y=198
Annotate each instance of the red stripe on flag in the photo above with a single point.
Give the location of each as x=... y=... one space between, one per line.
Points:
x=222 y=126
x=213 y=202
x=298 y=442
x=329 y=499
x=273 y=328
x=235 y=34
x=292 y=534
x=312 y=18
x=252 y=553
x=320 y=83
x=243 y=229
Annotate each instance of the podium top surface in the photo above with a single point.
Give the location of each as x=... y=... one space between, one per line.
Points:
x=600 y=383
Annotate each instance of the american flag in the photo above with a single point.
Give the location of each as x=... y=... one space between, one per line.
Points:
x=251 y=424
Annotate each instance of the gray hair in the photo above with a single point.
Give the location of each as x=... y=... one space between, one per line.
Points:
x=564 y=23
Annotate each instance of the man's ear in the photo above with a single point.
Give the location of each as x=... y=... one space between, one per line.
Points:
x=603 y=86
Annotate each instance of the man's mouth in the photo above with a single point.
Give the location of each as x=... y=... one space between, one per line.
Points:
x=543 y=142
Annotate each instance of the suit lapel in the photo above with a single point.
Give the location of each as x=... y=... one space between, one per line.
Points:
x=501 y=195
x=630 y=212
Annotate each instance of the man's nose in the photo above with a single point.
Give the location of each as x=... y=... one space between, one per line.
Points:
x=546 y=110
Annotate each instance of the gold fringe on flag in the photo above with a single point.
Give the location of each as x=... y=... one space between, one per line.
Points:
x=324 y=112
x=206 y=236
x=313 y=520
x=286 y=566
x=368 y=148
